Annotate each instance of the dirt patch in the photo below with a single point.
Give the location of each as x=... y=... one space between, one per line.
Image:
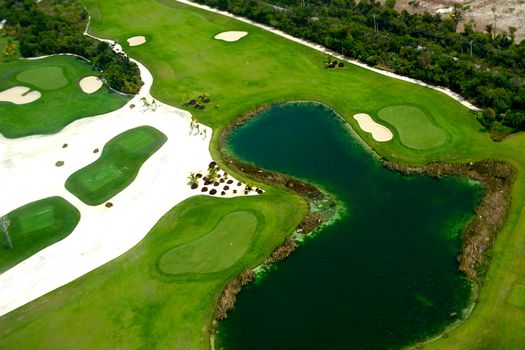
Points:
x=509 y=13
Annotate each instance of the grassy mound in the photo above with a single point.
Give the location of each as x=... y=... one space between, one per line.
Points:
x=214 y=252
x=415 y=128
x=62 y=100
x=117 y=167
x=47 y=78
x=35 y=226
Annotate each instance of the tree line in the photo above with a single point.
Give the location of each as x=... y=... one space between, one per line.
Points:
x=486 y=68
x=57 y=26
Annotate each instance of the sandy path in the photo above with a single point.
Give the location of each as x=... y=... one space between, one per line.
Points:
x=231 y=36
x=136 y=40
x=103 y=233
x=19 y=95
x=320 y=48
x=379 y=132
x=90 y=84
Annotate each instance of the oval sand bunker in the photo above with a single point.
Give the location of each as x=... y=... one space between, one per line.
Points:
x=90 y=84
x=136 y=40
x=19 y=95
x=230 y=36
x=379 y=132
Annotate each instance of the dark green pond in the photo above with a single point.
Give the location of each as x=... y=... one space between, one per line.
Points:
x=383 y=276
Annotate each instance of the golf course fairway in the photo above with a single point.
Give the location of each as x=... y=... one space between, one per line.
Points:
x=130 y=303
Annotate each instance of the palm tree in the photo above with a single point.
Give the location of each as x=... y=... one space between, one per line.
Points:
x=4 y=224
x=212 y=174
x=328 y=60
x=193 y=180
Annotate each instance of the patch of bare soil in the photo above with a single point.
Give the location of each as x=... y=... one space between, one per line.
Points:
x=507 y=13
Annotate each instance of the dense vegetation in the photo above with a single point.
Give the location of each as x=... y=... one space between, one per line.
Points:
x=51 y=27
x=485 y=68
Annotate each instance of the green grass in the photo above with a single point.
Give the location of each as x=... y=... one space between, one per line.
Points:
x=517 y=296
x=117 y=166
x=415 y=128
x=62 y=101
x=216 y=251
x=47 y=78
x=128 y=303
x=35 y=226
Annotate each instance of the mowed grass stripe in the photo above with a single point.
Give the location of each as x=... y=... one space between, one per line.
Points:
x=214 y=252
x=117 y=166
x=35 y=226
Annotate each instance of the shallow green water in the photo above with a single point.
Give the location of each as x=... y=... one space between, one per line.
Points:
x=384 y=276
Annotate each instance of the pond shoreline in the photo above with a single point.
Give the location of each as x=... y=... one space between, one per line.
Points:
x=321 y=209
x=496 y=177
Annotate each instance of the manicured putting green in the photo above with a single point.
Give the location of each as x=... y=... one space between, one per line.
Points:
x=47 y=78
x=216 y=251
x=62 y=100
x=415 y=128
x=117 y=166
x=35 y=226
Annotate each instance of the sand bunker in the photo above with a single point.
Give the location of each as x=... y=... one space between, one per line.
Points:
x=136 y=40
x=379 y=132
x=90 y=84
x=230 y=36
x=19 y=95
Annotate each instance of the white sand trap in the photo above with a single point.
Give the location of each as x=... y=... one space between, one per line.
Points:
x=379 y=132
x=90 y=84
x=230 y=36
x=19 y=95
x=136 y=40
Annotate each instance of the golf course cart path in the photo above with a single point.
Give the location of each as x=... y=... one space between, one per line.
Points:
x=323 y=49
x=28 y=173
